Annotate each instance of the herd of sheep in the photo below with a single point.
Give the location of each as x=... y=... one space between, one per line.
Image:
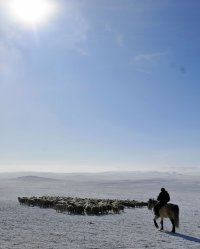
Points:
x=74 y=205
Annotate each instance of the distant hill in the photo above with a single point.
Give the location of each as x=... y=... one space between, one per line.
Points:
x=31 y=178
x=101 y=176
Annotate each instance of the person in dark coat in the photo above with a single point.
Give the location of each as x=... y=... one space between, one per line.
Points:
x=163 y=199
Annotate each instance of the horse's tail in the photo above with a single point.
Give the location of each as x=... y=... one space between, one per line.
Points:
x=176 y=215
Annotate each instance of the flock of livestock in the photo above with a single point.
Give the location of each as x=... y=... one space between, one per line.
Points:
x=74 y=205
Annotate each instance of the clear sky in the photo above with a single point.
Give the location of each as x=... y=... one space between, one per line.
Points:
x=99 y=85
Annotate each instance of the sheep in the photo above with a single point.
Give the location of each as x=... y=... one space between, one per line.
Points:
x=74 y=205
x=115 y=209
x=31 y=201
x=59 y=208
x=70 y=209
x=22 y=200
x=95 y=210
x=102 y=208
x=88 y=209
x=79 y=208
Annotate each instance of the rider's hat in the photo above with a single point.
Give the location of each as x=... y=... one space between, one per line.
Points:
x=162 y=189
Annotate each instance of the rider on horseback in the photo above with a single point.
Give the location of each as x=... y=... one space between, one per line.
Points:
x=162 y=199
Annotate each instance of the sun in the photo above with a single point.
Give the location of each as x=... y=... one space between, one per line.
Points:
x=31 y=12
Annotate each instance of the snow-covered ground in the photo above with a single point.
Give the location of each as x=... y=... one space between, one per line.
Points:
x=23 y=227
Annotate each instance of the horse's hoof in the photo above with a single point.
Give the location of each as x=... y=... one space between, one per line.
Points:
x=155 y=223
x=173 y=231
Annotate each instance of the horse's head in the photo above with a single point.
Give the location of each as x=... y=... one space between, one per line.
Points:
x=151 y=203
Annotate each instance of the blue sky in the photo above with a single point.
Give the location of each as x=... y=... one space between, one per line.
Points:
x=100 y=86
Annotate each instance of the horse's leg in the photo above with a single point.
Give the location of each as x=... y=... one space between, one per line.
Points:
x=155 y=223
x=173 y=225
x=161 y=224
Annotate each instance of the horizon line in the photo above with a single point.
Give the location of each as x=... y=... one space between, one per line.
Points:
x=100 y=172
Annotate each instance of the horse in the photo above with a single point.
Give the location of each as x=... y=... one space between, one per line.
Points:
x=169 y=210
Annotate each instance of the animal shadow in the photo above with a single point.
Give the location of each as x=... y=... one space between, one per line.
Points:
x=184 y=236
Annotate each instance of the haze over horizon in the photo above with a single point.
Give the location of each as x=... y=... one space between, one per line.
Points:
x=92 y=86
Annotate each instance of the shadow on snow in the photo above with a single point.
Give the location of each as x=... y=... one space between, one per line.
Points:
x=186 y=237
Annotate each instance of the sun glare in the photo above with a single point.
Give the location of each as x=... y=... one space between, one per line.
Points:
x=31 y=12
